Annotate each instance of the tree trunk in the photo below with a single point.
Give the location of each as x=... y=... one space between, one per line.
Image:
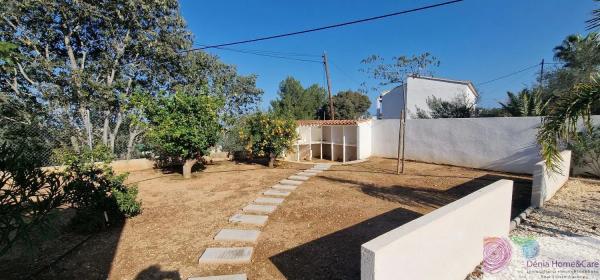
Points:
x=132 y=137
x=271 y=160
x=187 y=168
x=113 y=134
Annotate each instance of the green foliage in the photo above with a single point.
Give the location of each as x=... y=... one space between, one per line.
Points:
x=296 y=102
x=348 y=105
x=490 y=112
x=203 y=71
x=95 y=191
x=267 y=135
x=586 y=150
x=182 y=126
x=400 y=67
x=458 y=107
x=561 y=122
x=594 y=22
x=526 y=103
x=28 y=198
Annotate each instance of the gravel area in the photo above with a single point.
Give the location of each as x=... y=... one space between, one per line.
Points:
x=573 y=211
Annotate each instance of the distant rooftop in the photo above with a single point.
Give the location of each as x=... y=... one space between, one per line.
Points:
x=463 y=82
x=329 y=122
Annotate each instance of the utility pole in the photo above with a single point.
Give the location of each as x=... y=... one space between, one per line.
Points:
x=331 y=112
x=541 y=76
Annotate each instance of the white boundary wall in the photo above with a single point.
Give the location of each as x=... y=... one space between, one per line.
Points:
x=444 y=244
x=501 y=144
x=546 y=184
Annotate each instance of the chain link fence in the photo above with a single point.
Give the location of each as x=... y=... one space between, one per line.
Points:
x=43 y=145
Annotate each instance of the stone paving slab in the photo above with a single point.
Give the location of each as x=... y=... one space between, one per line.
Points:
x=245 y=235
x=313 y=171
x=306 y=174
x=298 y=178
x=285 y=187
x=290 y=182
x=227 y=255
x=269 y=200
x=222 y=277
x=258 y=220
x=320 y=168
x=276 y=192
x=263 y=209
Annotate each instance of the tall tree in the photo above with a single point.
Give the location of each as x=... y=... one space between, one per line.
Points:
x=581 y=54
x=203 y=71
x=349 y=105
x=296 y=102
x=82 y=59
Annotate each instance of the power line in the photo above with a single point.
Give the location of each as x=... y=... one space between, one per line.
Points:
x=508 y=75
x=295 y=54
x=326 y=27
x=344 y=73
x=269 y=55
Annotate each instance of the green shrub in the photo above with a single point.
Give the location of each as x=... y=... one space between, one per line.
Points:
x=28 y=198
x=92 y=188
x=586 y=150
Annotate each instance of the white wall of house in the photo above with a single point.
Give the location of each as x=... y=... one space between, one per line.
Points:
x=502 y=144
x=418 y=90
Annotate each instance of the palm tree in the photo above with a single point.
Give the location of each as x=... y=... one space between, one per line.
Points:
x=561 y=122
x=525 y=103
x=594 y=22
x=580 y=53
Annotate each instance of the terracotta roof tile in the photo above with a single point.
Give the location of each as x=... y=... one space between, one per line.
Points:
x=329 y=122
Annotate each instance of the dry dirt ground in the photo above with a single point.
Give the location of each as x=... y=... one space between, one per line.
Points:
x=315 y=234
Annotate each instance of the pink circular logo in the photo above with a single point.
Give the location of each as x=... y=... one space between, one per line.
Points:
x=496 y=254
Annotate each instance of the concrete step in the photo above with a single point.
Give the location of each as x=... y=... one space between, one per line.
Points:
x=306 y=174
x=290 y=182
x=298 y=178
x=285 y=187
x=231 y=255
x=258 y=220
x=276 y=192
x=269 y=200
x=244 y=235
x=257 y=208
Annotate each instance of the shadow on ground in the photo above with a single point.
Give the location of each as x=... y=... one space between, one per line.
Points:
x=337 y=255
x=154 y=272
x=430 y=197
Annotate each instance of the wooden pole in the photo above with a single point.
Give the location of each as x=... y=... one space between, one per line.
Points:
x=400 y=136
x=403 y=127
x=326 y=65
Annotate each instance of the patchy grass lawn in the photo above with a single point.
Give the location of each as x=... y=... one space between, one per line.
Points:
x=315 y=234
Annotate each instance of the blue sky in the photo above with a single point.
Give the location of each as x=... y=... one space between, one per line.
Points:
x=475 y=40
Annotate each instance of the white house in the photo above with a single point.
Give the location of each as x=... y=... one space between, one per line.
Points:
x=417 y=90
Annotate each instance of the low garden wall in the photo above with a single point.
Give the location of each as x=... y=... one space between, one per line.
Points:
x=444 y=244
x=547 y=182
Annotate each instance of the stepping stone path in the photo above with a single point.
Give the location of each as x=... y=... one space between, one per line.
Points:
x=221 y=277
x=266 y=209
x=266 y=205
x=276 y=192
x=244 y=235
x=227 y=255
x=269 y=200
x=257 y=220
